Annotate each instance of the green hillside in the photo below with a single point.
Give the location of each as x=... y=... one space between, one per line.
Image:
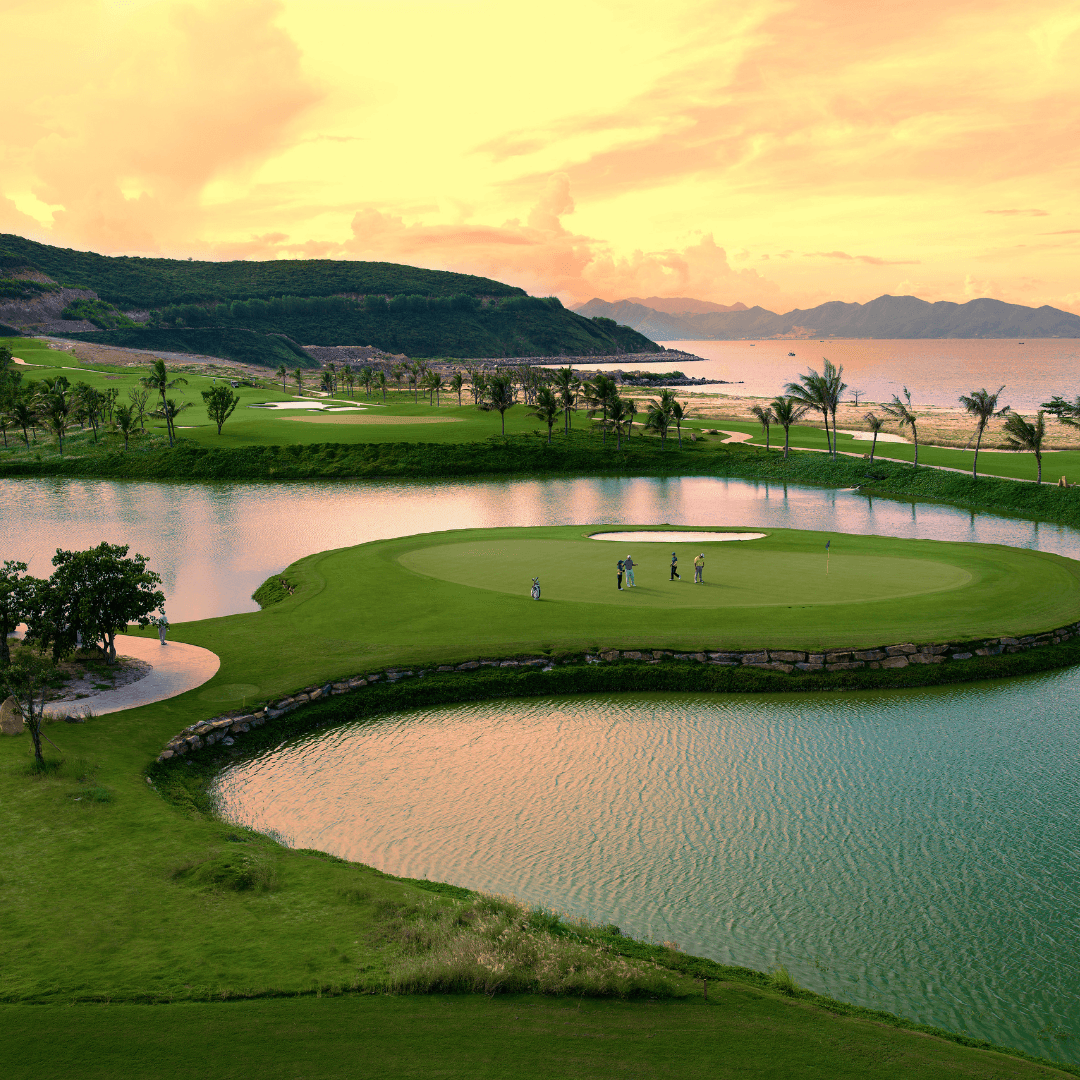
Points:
x=134 y=282
x=229 y=308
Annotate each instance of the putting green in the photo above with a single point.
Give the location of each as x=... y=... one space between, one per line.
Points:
x=736 y=575
x=447 y=597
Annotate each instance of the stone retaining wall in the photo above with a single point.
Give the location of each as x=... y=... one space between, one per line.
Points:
x=228 y=727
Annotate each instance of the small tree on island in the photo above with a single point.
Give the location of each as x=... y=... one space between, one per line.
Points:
x=220 y=403
x=125 y=421
x=92 y=596
x=546 y=408
x=766 y=417
x=875 y=423
x=158 y=380
x=904 y=415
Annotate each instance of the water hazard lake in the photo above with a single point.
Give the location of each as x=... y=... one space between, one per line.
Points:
x=915 y=851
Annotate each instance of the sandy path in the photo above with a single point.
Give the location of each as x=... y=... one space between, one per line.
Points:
x=177 y=668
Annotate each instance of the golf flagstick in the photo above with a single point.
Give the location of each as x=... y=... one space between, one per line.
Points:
x=828 y=554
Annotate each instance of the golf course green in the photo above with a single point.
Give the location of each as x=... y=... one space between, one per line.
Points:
x=449 y=597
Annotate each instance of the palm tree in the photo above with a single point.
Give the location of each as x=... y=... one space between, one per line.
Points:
x=349 y=378
x=621 y=412
x=679 y=412
x=765 y=414
x=658 y=414
x=435 y=385
x=56 y=411
x=1067 y=412
x=159 y=381
x=298 y=374
x=456 y=384
x=327 y=383
x=875 y=423
x=381 y=383
x=1022 y=435
x=282 y=373
x=126 y=421
x=566 y=385
x=546 y=408
x=600 y=391
x=22 y=413
x=787 y=411
x=902 y=412
x=812 y=392
x=170 y=409
x=366 y=379
x=983 y=406
x=832 y=376
x=499 y=396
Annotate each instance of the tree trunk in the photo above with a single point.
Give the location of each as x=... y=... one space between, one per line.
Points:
x=975 y=460
x=1038 y=462
x=873 y=448
x=787 y=436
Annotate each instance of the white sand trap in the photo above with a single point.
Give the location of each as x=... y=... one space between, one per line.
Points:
x=868 y=436
x=642 y=537
x=735 y=436
x=177 y=668
x=320 y=405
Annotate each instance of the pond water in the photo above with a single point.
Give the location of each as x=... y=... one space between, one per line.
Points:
x=911 y=851
x=214 y=544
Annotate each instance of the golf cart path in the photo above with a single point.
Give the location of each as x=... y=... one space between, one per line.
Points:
x=177 y=668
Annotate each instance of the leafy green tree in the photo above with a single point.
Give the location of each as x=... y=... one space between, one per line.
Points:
x=546 y=408
x=158 y=381
x=620 y=414
x=499 y=396
x=1066 y=412
x=220 y=403
x=138 y=399
x=875 y=423
x=56 y=412
x=93 y=595
x=367 y=377
x=26 y=680
x=381 y=380
x=1021 y=434
x=787 y=412
x=125 y=421
x=766 y=417
x=16 y=593
x=600 y=391
x=900 y=409
x=983 y=406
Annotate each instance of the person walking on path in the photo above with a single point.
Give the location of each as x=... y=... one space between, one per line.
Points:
x=628 y=562
x=699 y=568
x=162 y=628
x=675 y=567
x=622 y=566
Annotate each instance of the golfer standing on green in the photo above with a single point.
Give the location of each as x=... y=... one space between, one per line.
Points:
x=699 y=567
x=675 y=567
x=628 y=562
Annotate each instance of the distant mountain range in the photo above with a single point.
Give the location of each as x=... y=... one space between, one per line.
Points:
x=885 y=317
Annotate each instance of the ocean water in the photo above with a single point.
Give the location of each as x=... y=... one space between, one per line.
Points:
x=936 y=371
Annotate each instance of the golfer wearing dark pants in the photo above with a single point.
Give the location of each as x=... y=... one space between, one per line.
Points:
x=622 y=566
x=675 y=567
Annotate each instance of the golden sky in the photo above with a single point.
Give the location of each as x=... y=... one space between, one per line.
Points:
x=774 y=153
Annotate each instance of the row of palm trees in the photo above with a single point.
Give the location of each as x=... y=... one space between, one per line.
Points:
x=822 y=391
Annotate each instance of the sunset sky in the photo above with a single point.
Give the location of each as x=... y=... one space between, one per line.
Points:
x=774 y=153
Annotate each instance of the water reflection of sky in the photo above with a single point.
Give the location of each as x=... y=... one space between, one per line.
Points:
x=213 y=544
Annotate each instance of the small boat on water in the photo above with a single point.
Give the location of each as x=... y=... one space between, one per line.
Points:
x=791 y=354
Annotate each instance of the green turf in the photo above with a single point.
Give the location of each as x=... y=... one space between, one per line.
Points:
x=742 y=1032
x=389 y=602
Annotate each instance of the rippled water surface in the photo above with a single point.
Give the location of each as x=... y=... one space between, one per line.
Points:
x=911 y=851
x=214 y=544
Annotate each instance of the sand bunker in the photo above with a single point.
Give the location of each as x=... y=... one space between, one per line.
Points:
x=648 y=537
x=353 y=418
